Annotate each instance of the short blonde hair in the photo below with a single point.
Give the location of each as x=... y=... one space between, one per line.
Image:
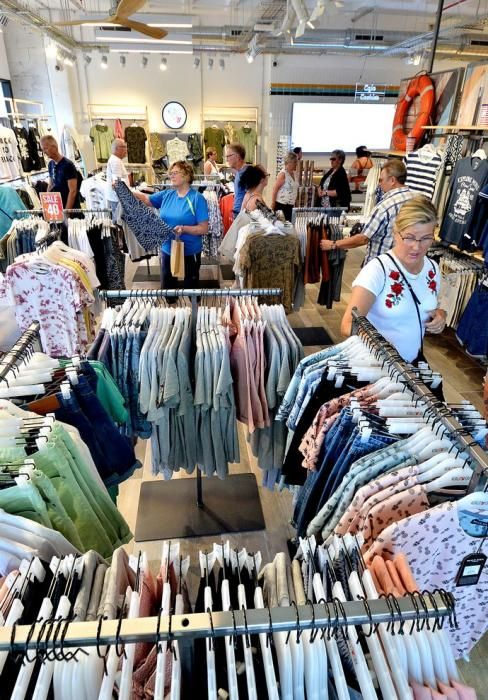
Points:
x=185 y=168
x=209 y=151
x=291 y=158
x=418 y=210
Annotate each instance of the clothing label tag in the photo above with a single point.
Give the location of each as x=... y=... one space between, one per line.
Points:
x=470 y=570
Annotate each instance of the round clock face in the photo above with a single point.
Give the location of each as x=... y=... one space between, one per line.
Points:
x=174 y=115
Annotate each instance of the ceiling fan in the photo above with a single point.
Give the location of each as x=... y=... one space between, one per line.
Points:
x=121 y=14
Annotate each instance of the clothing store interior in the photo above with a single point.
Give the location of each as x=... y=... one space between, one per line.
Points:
x=243 y=349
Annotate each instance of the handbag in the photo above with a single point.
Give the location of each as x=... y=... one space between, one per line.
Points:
x=177 y=259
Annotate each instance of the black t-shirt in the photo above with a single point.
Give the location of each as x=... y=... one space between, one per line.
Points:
x=60 y=173
x=469 y=177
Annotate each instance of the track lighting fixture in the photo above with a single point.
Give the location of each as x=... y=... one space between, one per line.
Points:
x=221 y=64
x=144 y=61
x=104 y=63
x=196 y=62
x=164 y=64
x=88 y=59
x=123 y=60
x=249 y=56
x=318 y=11
x=210 y=63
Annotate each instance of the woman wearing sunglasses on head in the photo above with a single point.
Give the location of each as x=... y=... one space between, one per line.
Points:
x=398 y=291
x=334 y=189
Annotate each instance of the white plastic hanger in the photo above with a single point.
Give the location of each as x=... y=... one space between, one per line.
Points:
x=238 y=562
x=222 y=554
x=254 y=564
x=112 y=662
x=125 y=683
x=169 y=555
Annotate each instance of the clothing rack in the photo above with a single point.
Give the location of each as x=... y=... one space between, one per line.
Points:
x=23 y=344
x=326 y=211
x=66 y=211
x=438 y=411
x=167 y=508
x=185 y=628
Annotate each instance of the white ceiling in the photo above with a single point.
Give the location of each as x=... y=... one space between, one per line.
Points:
x=229 y=25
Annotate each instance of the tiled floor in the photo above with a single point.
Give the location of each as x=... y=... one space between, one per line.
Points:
x=462 y=380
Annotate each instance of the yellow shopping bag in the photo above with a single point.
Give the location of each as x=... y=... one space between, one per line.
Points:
x=178 y=259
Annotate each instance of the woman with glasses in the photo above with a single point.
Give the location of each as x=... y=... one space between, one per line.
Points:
x=254 y=179
x=398 y=291
x=186 y=211
x=334 y=189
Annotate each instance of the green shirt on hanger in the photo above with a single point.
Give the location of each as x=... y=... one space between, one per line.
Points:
x=102 y=137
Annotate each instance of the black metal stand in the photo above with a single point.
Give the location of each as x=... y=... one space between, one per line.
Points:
x=167 y=509
x=231 y=505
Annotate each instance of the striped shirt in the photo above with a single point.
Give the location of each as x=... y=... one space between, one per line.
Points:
x=379 y=228
x=422 y=172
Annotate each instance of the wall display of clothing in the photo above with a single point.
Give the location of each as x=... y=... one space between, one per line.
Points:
x=10 y=166
x=214 y=137
x=469 y=177
x=30 y=151
x=217 y=134
x=459 y=277
x=378 y=484
x=423 y=167
x=471 y=329
x=176 y=149
x=275 y=664
x=135 y=137
x=55 y=287
x=101 y=136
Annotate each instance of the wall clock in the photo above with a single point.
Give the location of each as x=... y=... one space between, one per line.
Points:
x=174 y=115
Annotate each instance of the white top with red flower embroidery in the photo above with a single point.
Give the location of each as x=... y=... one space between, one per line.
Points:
x=393 y=313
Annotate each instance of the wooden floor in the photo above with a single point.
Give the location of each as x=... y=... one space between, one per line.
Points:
x=462 y=379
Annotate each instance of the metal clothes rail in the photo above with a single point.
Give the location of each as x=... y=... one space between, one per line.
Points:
x=23 y=345
x=439 y=411
x=65 y=211
x=319 y=616
x=167 y=508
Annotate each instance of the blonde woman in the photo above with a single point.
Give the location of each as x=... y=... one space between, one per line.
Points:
x=398 y=291
x=285 y=188
x=210 y=166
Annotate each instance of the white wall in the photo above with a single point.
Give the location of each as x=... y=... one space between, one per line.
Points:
x=4 y=69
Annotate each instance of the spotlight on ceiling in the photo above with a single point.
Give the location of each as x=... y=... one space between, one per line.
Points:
x=164 y=64
x=221 y=64
x=69 y=60
x=104 y=63
x=249 y=56
x=88 y=59
x=210 y=63
x=144 y=61
x=123 y=60
x=196 y=62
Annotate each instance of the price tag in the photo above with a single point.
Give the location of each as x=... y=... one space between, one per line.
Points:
x=52 y=206
x=470 y=570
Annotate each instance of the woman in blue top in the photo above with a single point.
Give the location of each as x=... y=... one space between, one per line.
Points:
x=186 y=211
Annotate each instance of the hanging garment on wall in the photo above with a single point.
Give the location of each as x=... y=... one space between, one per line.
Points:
x=230 y=133
x=158 y=150
x=469 y=177
x=9 y=158
x=102 y=136
x=195 y=148
x=69 y=144
x=214 y=137
x=176 y=149
x=23 y=147
x=136 y=138
x=118 y=129
x=247 y=136
x=423 y=167
x=35 y=150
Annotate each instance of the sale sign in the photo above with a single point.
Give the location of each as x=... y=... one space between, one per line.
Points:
x=52 y=206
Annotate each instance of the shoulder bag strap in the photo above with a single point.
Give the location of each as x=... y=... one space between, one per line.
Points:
x=416 y=302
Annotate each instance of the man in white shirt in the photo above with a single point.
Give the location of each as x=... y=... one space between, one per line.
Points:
x=116 y=170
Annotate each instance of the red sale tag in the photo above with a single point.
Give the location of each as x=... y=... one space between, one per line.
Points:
x=52 y=206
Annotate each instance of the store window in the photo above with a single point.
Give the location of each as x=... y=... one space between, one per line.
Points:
x=6 y=91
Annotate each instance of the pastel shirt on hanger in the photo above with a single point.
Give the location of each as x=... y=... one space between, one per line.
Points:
x=435 y=545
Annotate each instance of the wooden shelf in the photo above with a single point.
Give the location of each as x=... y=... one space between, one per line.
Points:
x=478 y=255
x=388 y=152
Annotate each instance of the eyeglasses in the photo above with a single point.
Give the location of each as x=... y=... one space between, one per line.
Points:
x=229 y=155
x=175 y=172
x=332 y=158
x=410 y=240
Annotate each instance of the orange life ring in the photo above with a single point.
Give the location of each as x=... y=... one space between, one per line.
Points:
x=422 y=87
